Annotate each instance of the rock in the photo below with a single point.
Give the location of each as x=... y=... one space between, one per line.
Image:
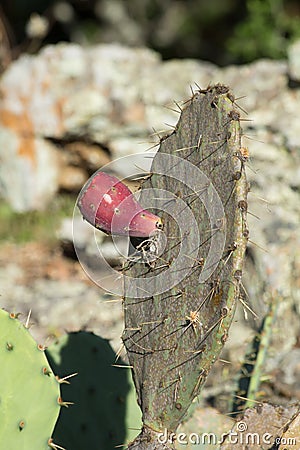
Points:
x=259 y=428
x=57 y=292
x=72 y=178
x=81 y=100
x=108 y=94
x=203 y=429
x=89 y=155
x=294 y=60
x=291 y=437
x=285 y=120
x=89 y=242
x=29 y=170
x=255 y=84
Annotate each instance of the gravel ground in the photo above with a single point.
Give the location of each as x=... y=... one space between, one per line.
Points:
x=36 y=278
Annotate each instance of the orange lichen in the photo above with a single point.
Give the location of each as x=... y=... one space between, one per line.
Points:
x=59 y=111
x=23 y=127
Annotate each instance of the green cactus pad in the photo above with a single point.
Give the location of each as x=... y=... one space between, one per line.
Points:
x=177 y=317
x=29 y=391
x=105 y=413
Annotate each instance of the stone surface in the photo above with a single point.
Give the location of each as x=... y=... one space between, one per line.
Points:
x=57 y=292
x=114 y=96
x=29 y=170
x=294 y=60
x=105 y=95
x=260 y=428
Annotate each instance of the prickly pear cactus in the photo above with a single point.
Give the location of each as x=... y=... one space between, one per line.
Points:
x=29 y=392
x=179 y=303
x=105 y=411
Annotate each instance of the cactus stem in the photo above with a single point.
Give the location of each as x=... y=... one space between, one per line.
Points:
x=22 y=374
x=208 y=135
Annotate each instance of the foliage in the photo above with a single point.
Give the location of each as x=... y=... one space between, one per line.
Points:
x=265 y=32
x=35 y=225
x=227 y=31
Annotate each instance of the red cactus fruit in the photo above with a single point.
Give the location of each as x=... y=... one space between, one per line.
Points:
x=107 y=204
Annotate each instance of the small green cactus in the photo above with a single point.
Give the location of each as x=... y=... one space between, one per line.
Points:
x=179 y=306
x=29 y=392
x=105 y=413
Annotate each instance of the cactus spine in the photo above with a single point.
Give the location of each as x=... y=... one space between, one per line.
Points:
x=173 y=336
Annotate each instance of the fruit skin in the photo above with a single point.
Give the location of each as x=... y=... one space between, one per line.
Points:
x=107 y=204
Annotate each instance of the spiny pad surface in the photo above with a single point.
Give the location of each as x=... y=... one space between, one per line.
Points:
x=29 y=391
x=178 y=314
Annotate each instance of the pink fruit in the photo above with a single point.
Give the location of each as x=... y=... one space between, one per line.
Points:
x=107 y=204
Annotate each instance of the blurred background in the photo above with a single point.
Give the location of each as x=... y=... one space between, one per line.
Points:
x=223 y=32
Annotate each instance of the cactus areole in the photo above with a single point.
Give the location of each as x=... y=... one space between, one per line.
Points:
x=107 y=204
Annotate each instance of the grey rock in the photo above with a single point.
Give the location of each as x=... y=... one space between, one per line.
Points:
x=294 y=60
x=110 y=94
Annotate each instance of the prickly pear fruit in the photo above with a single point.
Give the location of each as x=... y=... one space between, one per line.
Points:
x=107 y=204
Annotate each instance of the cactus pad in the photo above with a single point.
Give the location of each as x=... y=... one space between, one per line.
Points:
x=29 y=391
x=105 y=412
x=179 y=308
